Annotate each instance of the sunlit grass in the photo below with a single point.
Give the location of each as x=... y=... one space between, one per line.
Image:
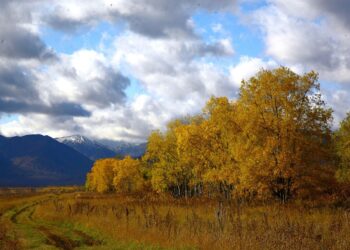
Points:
x=149 y=221
x=195 y=224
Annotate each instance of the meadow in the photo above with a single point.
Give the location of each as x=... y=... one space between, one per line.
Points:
x=73 y=219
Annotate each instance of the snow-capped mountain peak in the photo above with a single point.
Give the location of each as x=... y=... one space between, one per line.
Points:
x=102 y=148
x=77 y=139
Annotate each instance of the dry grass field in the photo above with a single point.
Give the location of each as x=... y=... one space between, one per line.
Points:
x=72 y=219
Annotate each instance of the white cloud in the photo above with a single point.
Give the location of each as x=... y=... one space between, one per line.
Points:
x=84 y=92
x=177 y=82
x=170 y=72
x=305 y=32
x=84 y=77
x=152 y=18
x=248 y=67
x=86 y=88
x=311 y=35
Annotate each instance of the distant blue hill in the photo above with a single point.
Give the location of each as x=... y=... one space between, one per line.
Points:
x=36 y=160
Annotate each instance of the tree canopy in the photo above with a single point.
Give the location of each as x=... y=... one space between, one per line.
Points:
x=274 y=140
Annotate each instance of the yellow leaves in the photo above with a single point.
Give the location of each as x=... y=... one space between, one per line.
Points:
x=127 y=175
x=286 y=122
x=342 y=149
x=115 y=175
x=270 y=141
x=100 y=179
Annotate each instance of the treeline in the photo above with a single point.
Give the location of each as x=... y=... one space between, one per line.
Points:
x=274 y=140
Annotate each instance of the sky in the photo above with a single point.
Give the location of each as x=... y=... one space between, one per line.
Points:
x=118 y=69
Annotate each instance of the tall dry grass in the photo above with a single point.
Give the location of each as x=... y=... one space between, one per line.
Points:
x=8 y=241
x=205 y=224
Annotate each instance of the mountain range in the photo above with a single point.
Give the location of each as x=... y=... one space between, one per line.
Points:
x=37 y=160
x=90 y=148
x=97 y=149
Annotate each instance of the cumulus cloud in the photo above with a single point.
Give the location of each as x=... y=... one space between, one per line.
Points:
x=84 y=77
x=247 y=67
x=22 y=52
x=133 y=122
x=19 y=38
x=171 y=70
x=152 y=18
x=308 y=32
x=19 y=94
x=160 y=49
x=20 y=43
x=84 y=92
x=311 y=35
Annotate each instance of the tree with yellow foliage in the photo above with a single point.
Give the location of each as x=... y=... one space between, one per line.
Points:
x=168 y=171
x=120 y=175
x=100 y=179
x=273 y=141
x=342 y=149
x=206 y=146
x=127 y=175
x=285 y=133
x=223 y=133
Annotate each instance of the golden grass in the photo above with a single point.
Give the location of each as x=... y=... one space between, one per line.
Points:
x=203 y=224
x=13 y=197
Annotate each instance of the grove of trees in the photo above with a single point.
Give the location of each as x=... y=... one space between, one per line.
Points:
x=274 y=140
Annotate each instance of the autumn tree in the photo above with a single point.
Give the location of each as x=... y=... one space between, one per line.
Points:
x=167 y=169
x=273 y=141
x=127 y=175
x=285 y=133
x=191 y=148
x=206 y=146
x=342 y=149
x=223 y=131
x=100 y=179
